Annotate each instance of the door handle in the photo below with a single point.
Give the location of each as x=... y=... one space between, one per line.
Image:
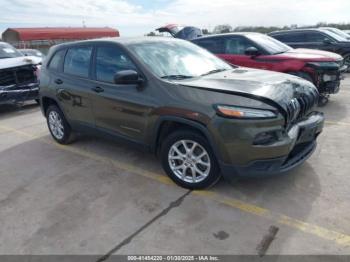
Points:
x=97 y=89
x=58 y=81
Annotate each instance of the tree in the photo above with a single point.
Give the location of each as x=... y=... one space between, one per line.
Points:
x=219 y=29
x=151 y=34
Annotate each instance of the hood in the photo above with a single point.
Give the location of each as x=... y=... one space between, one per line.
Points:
x=312 y=55
x=270 y=87
x=19 y=61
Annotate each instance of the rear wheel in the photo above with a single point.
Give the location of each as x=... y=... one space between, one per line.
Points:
x=58 y=125
x=189 y=161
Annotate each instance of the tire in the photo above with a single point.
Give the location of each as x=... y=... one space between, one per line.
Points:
x=188 y=170
x=58 y=126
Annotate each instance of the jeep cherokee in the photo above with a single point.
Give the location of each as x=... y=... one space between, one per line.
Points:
x=202 y=116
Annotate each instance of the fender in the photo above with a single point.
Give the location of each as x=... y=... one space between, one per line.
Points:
x=196 y=125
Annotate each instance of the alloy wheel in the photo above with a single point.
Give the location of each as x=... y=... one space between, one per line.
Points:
x=56 y=125
x=189 y=161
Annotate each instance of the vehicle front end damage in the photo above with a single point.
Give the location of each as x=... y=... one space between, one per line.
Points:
x=327 y=77
x=18 y=81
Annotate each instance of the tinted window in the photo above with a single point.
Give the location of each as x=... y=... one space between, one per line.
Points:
x=291 y=37
x=214 y=45
x=77 y=61
x=315 y=37
x=57 y=59
x=110 y=60
x=237 y=45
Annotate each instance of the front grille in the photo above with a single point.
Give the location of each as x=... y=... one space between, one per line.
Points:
x=17 y=76
x=300 y=106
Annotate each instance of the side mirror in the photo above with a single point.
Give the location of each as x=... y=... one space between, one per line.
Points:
x=127 y=77
x=327 y=41
x=252 y=51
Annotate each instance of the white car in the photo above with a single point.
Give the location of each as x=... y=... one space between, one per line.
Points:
x=18 y=75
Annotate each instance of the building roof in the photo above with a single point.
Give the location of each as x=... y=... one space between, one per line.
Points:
x=49 y=33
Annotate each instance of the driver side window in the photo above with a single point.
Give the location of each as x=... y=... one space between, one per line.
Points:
x=109 y=61
x=237 y=45
x=315 y=37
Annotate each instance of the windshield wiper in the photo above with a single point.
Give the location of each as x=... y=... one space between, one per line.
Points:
x=176 y=77
x=214 y=71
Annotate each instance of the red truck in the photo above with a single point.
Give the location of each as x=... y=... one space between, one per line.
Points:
x=324 y=69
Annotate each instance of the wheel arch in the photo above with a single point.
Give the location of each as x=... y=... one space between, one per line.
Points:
x=168 y=124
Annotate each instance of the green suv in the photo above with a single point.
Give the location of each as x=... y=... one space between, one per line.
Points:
x=202 y=116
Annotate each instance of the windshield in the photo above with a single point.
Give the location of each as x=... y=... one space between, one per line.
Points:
x=338 y=32
x=8 y=51
x=178 y=58
x=334 y=35
x=270 y=44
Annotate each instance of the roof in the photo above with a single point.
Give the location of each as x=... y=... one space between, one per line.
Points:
x=228 y=34
x=50 y=33
x=296 y=30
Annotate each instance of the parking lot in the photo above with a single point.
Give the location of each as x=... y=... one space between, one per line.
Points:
x=100 y=197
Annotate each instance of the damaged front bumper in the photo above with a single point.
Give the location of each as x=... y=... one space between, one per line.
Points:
x=19 y=93
x=301 y=139
x=328 y=77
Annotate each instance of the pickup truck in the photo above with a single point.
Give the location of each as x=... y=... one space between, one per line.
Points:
x=18 y=76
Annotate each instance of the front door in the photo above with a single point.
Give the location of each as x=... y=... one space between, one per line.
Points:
x=119 y=109
x=234 y=53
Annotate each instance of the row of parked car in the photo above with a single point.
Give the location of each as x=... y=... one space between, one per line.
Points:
x=204 y=116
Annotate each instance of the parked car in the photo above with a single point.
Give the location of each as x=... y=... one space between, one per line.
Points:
x=32 y=52
x=337 y=31
x=18 y=76
x=201 y=115
x=182 y=32
x=324 y=69
x=315 y=39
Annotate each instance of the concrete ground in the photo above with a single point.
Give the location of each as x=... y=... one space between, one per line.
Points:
x=100 y=197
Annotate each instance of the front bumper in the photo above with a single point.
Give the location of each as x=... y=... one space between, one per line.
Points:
x=19 y=93
x=302 y=143
x=328 y=81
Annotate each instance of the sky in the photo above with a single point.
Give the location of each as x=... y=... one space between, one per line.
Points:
x=138 y=17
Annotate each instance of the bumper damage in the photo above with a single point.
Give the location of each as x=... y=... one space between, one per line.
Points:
x=302 y=137
x=19 y=93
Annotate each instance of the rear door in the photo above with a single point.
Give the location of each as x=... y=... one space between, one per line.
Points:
x=119 y=109
x=70 y=71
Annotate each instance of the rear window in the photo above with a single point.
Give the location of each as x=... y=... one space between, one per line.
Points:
x=77 y=61
x=57 y=59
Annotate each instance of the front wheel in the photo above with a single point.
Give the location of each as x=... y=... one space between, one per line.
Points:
x=58 y=125
x=189 y=161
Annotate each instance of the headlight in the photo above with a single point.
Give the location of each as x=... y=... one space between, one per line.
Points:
x=244 y=112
